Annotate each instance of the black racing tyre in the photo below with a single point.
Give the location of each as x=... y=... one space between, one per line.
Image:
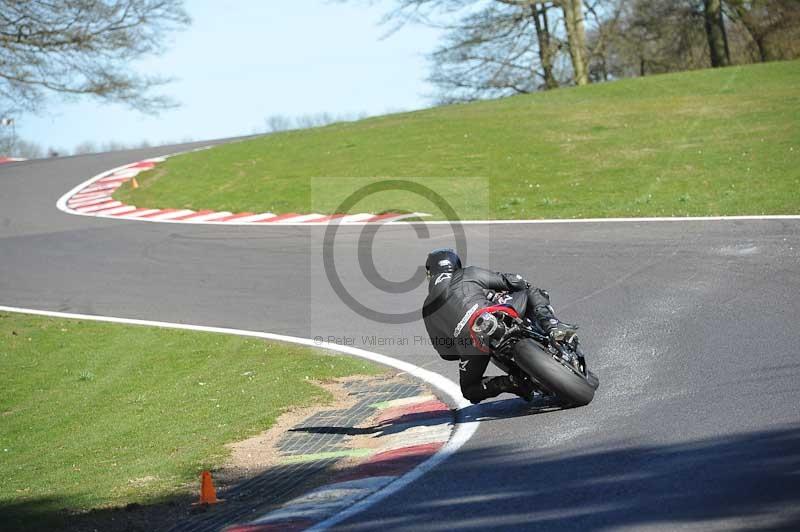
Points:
x=570 y=388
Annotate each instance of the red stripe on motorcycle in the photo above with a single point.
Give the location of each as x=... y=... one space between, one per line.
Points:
x=494 y=308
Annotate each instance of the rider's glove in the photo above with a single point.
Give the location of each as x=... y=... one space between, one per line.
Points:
x=516 y=282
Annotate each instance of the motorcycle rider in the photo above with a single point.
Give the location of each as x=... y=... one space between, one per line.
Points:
x=455 y=295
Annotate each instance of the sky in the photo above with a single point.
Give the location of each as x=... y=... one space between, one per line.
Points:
x=242 y=61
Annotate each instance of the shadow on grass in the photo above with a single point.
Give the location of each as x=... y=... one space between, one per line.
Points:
x=749 y=480
x=253 y=492
x=49 y=513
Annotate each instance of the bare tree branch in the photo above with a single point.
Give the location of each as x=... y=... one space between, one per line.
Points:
x=83 y=47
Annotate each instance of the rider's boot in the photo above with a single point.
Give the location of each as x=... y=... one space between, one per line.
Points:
x=558 y=330
x=523 y=388
x=555 y=328
x=494 y=386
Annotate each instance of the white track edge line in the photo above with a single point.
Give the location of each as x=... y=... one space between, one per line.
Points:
x=462 y=432
x=613 y=220
x=61 y=204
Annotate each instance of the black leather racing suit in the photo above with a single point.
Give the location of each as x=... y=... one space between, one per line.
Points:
x=452 y=299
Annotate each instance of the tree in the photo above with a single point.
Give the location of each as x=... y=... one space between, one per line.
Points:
x=715 y=33
x=773 y=26
x=85 y=147
x=604 y=17
x=82 y=47
x=276 y=123
x=500 y=47
x=576 y=36
x=656 y=36
x=489 y=52
x=548 y=46
x=576 y=33
x=12 y=146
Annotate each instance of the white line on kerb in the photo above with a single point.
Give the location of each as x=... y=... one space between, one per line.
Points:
x=462 y=433
x=61 y=204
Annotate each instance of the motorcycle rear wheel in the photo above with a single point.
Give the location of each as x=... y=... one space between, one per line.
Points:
x=566 y=384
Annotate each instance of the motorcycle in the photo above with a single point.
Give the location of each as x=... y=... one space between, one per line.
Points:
x=520 y=348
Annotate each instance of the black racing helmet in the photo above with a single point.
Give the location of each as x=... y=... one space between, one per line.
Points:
x=442 y=260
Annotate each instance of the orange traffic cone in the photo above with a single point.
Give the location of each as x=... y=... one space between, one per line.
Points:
x=134 y=183
x=208 y=495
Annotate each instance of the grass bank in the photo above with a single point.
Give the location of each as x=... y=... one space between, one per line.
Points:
x=713 y=142
x=98 y=415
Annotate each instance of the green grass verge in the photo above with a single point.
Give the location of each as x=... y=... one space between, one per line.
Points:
x=714 y=142
x=96 y=415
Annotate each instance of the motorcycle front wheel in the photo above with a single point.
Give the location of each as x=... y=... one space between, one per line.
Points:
x=571 y=388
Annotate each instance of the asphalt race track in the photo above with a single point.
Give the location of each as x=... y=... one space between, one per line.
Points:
x=692 y=328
